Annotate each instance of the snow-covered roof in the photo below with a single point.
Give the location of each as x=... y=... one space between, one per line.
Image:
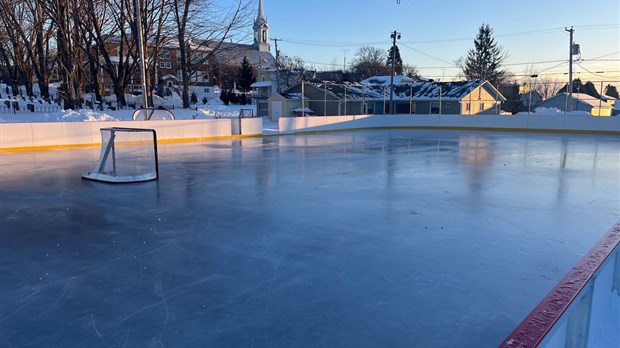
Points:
x=262 y=84
x=417 y=91
x=591 y=100
x=304 y=110
x=584 y=98
x=385 y=80
x=169 y=77
x=294 y=96
x=233 y=53
x=607 y=97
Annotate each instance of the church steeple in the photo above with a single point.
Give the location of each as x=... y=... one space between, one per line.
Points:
x=261 y=30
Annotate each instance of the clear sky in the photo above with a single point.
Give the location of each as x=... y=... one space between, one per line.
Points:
x=436 y=33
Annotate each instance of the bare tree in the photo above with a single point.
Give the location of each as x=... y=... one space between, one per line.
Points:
x=201 y=26
x=12 y=55
x=547 y=86
x=28 y=31
x=369 y=61
x=293 y=70
x=110 y=34
x=110 y=29
x=410 y=70
x=63 y=14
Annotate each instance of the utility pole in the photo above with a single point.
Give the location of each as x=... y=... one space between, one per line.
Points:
x=394 y=35
x=344 y=67
x=277 y=62
x=569 y=86
x=136 y=4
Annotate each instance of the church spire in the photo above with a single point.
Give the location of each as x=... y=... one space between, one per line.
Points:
x=261 y=30
x=261 y=15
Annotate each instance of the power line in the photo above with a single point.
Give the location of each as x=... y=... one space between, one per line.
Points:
x=426 y=54
x=366 y=43
x=595 y=74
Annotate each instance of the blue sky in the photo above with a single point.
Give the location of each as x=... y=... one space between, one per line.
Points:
x=436 y=33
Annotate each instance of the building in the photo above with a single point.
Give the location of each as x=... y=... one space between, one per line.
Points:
x=373 y=96
x=219 y=64
x=581 y=102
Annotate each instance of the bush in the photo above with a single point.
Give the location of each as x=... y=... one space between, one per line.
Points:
x=194 y=98
x=243 y=100
x=204 y=100
x=233 y=97
x=224 y=97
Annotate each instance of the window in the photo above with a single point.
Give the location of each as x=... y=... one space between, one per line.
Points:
x=168 y=65
x=468 y=107
x=162 y=64
x=481 y=106
x=263 y=91
x=434 y=107
x=206 y=90
x=263 y=78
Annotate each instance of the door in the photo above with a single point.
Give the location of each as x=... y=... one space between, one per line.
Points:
x=276 y=110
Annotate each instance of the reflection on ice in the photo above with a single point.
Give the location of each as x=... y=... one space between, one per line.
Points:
x=364 y=238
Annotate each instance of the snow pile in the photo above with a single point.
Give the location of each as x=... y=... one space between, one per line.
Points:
x=78 y=116
x=555 y=112
x=217 y=109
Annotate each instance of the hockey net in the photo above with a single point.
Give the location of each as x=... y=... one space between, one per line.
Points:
x=127 y=155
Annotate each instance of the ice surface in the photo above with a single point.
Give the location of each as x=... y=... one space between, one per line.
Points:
x=392 y=238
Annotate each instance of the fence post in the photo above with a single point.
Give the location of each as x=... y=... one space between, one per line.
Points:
x=410 y=99
x=600 y=100
x=440 y=92
x=345 y=100
x=324 y=98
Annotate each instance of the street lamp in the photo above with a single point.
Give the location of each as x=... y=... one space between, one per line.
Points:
x=394 y=35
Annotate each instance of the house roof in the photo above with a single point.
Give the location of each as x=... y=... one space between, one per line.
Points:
x=262 y=84
x=168 y=77
x=583 y=98
x=607 y=97
x=417 y=91
x=385 y=80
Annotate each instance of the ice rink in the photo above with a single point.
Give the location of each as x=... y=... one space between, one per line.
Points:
x=375 y=238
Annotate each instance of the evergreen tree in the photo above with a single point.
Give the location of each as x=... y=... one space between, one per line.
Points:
x=246 y=76
x=579 y=87
x=194 y=98
x=484 y=61
x=398 y=61
x=612 y=91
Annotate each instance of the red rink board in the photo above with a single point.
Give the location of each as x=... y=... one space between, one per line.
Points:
x=533 y=329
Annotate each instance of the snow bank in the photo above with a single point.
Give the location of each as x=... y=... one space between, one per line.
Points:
x=78 y=116
x=554 y=112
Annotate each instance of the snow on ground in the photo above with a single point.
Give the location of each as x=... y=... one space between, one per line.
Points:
x=554 y=112
x=213 y=109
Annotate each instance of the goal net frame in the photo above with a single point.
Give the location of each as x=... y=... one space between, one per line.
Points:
x=116 y=164
x=152 y=114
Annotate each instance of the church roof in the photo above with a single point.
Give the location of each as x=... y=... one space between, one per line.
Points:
x=233 y=53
